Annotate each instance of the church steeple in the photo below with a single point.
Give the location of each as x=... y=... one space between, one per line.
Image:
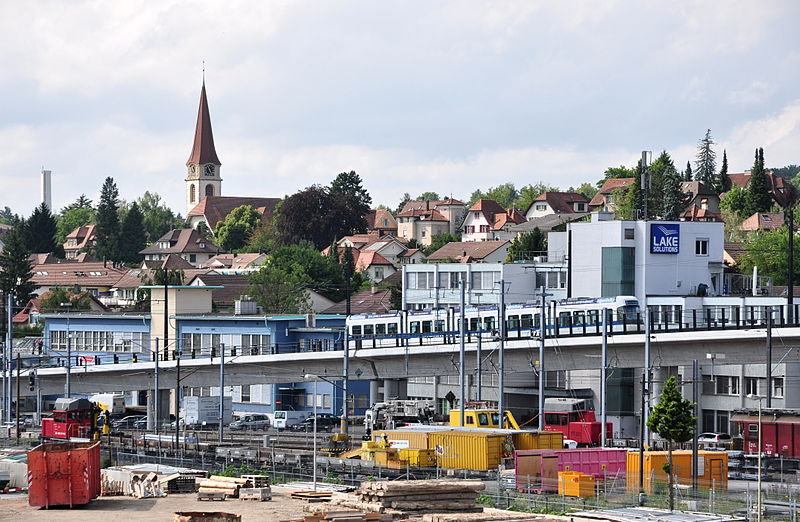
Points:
x=203 y=150
x=203 y=166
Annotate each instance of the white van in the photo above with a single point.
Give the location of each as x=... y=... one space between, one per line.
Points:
x=282 y=419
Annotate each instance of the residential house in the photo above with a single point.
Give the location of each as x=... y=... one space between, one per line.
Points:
x=780 y=189
x=381 y=221
x=29 y=315
x=236 y=263
x=95 y=277
x=79 y=240
x=763 y=221
x=732 y=252
x=486 y=220
x=187 y=243
x=370 y=262
x=395 y=250
x=411 y=256
x=416 y=219
x=702 y=203
x=123 y=293
x=213 y=209
x=371 y=301
x=557 y=203
x=471 y=252
x=547 y=223
x=231 y=287
x=604 y=199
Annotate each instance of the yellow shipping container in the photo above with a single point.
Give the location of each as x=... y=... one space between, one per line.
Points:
x=575 y=484
x=468 y=450
x=712 y=469
x=528 y=440
x=403 y=439
x=418 y=458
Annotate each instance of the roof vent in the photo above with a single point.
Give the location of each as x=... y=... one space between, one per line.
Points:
x=245 y=306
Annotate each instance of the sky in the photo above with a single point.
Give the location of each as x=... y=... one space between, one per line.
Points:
x=415 y=96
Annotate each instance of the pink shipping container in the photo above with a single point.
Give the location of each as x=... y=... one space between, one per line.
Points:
x=599 y=462
x=63 y=474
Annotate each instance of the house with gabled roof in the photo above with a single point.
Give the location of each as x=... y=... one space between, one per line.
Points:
x=186 y=243
x=236 y=262
x=472 y=252
x=486 y=220
x=701 y=203
x=213 y=209
x=381 y=221
x=556 y=203
x=79 y=240
x=604 y=199
x=780 y=189
x=421 y=220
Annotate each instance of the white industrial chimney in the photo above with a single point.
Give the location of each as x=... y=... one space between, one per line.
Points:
x=47 y=191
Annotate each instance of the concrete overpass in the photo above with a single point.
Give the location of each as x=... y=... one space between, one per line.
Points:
x=746 y=346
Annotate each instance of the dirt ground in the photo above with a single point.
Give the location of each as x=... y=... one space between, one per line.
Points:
x=106 y=509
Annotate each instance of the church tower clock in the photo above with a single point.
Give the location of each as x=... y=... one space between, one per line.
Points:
x=203 y=166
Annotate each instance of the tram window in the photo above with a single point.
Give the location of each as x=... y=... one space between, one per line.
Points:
x=578 y=318
x=513 y=322
x=426 y=327
x=438 y=325
x=392 y=328
x=488 y=323
x=555 y=419
x=526 y=320
x=414 y=327
x=474 y=324
x=369 y=330
x=591 y=317
x=536 y=321
x=564 y=319
x=356 y=331
x=380 y=329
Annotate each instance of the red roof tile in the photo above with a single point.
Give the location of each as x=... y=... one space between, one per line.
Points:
x=217 y=208
x=561 y=201
x=182 y=241
x=610 y=185
x=475 y=250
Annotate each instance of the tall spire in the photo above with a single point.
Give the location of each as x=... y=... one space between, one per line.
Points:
x=203 y=150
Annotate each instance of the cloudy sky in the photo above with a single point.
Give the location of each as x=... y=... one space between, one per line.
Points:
x=415 y=96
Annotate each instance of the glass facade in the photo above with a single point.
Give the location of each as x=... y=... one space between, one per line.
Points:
x=618 y=272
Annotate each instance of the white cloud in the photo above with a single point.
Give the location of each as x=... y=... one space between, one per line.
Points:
x=756 y=92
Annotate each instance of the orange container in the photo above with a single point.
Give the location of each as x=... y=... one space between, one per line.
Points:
x=575 y=484
x=63 y=474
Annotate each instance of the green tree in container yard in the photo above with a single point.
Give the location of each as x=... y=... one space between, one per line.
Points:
x=672 y=419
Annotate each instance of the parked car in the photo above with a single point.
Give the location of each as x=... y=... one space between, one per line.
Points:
x=127 y=422
x=251 y=421
x=325 y=422
x=714 y=438
x=140 y=424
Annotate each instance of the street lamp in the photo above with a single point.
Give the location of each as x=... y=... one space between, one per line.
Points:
x=315 y=378
x=759 y=503
x=68 y=384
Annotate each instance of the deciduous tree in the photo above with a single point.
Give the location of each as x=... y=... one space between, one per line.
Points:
x=524 y=247
x=438 y=241
x=312 y=215
x=157 y=217
x=672 y=419
x=233 y=232
x=279 y=292
x=72 y=218
x=51 y=301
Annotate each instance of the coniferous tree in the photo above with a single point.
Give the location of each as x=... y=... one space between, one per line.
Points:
x=40 y=235
x=133 y=237
x=706 y=161
x=16 y=269
x=658 y=172
x=722 y=182
x=688 y=176
x=107 y=230
x=673 y=196
x=759 y=198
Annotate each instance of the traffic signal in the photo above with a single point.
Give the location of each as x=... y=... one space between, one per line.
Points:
x=32 y=381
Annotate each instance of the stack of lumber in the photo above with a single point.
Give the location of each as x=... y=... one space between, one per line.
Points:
x=420 y=496
x=219 y=484
x=489 y=515
x=344 y=516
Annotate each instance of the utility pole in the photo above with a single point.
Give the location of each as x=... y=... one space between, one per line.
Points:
x=155 y=390
x=603 y=380
x=641 y=443
x=790 y=278
x=695 y=400
x=769 y=356
x=542 y=337
x=479 y=355
x=462 y=359
x=647 y=363
x=501 y=382
x=345 y=386
x=17 y=404
x=9 y=353
x=222 y=392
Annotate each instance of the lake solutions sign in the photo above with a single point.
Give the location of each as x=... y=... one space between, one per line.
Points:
x=665 y=238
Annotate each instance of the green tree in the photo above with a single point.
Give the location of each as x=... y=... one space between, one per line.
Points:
x=524 y=247
x=81 y=202
x=313 y=215
x=659 y=171
x=722 y=183
x=530 y=192
x=41 y=233
x=16 y=269
x=157 y=217
x=107 y=229
x=768 y=250
x=616 y=172
x=672 y=419
x=688 y=176
x=133 y=237
x=706 y=161
x=233 y=232
x=72 y=218
x=279 y=292
x=438 y=241
x=321 y=273
x=735 y=202
x=673 y=196
x=428 y=196
x=405 y=199
x=7 y=217
x=758 y=197
x=628 y=200
x=353 y=200
x=51 y=301
x=262 y=240
x=585 y=189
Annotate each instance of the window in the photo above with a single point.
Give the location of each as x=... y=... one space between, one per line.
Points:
x=580 y=207
x=541 y=206
x=385 y=222
x=245 y=393
x=192 y=258
x=484 y=229
x=379 y=274
x=777 y=387
x=326 y=400
x=751 y=385
x=727 y=385
x=701 y=247
x=628 y=233
x=423 y=233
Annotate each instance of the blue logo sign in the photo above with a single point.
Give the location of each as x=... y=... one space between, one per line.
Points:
x=665 y=238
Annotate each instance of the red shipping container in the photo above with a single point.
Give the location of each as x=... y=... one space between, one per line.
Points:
x=63 y=474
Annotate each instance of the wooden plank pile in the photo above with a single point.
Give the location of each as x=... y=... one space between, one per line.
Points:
x=344 y=516
x=227 y=485
x=421 y=496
